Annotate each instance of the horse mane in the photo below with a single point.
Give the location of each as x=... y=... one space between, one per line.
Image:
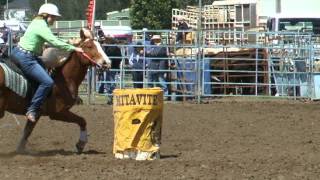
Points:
x=85 y=34
x=54 y=58
x=75 y=41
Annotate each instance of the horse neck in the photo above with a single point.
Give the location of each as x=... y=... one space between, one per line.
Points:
x=73 y=70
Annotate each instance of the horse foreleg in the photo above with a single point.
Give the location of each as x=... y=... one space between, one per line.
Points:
x=69 y=117
x=28 y=128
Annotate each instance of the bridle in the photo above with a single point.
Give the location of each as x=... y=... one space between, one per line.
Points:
x=85 y=55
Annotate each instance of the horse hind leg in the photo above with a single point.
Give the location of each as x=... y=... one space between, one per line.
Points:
x=26 y=133
x=4 y=93
x=67 y=116
x=2 y=106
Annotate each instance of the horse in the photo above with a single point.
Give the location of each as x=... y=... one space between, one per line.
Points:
x=67 y=79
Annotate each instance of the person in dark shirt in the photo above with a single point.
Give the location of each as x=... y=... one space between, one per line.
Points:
x=136 y=61
x=182 y=25
x=158 y=64
x=113 y=51
x=4 y=34
x=99 y=32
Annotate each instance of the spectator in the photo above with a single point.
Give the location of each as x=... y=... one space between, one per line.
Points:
x=136 y=61
x=4 y=35
x=99 y=32
x=157 y=64
x=182 y=25
x=114 y=52
x=4 y=32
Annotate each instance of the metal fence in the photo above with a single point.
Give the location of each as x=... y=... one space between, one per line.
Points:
x=262 y=64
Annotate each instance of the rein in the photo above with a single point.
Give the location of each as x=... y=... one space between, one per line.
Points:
x=89 y=58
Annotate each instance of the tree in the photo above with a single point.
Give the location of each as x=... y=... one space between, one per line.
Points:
x=157 y=14
x=75 y=9
x=151 y=14
x=184 y=3
x=148 y=12
x=4 y=2
x=2 y=6
x=70 y=10
x=104 y=6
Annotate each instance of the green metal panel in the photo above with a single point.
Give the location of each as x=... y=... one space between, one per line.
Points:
x=63 y=24
x=83 y=23
x=77 y=23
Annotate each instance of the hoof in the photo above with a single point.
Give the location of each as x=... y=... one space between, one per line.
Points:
x=80 y=146
x=79 y=101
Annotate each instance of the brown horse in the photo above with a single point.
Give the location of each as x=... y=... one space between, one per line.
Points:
x=67 y=80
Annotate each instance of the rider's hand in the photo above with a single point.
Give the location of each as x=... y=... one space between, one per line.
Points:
x=78 y=49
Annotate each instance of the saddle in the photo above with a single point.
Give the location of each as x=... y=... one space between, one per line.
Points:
x=17 y=82
x=53 y=57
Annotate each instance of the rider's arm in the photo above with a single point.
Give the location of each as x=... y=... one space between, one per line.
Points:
x=49 y=37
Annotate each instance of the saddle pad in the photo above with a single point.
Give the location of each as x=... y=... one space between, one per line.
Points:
x=14 y=81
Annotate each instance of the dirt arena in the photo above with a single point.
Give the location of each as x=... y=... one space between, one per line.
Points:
x=228 y=139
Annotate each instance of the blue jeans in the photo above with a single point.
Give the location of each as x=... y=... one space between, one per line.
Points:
x=157 y=79
x=111 y=85
x=30 y=66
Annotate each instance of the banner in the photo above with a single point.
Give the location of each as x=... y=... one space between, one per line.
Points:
x=90 y=13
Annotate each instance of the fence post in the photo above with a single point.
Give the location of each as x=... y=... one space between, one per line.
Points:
x=89 y=85
x=10 y=43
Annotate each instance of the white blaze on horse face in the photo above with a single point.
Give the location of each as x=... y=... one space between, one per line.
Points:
x=105 y=58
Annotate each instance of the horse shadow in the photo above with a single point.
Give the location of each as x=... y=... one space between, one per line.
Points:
x=169 y=156
x=49 y=153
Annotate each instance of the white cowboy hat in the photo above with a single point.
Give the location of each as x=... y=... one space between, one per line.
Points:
x=180 y=18
x=155 y=37
x=49 y=9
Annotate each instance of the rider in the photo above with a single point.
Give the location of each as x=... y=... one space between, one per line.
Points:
x=25 y=55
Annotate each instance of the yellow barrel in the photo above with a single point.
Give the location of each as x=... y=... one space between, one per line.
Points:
x=137 y=123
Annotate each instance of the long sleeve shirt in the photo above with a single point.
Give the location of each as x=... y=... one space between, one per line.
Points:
x=157 y=52
x=37 y=33
x=136 y=60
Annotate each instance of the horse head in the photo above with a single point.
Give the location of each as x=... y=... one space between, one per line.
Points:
x=93 y=51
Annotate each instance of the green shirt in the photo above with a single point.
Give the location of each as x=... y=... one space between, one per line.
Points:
x=37 y=33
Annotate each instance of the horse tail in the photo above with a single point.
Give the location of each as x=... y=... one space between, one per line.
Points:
x=3 y=92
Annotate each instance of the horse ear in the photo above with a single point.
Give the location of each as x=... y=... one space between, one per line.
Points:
x=82 y=35
x=86 y=34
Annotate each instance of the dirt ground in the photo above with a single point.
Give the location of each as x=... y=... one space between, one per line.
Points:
x=225 y=139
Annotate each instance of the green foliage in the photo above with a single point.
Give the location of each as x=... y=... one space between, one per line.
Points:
x=75 y=9
x=69 y=9
x=157 y=14
x=151 y=14
x=184 y=3
x=104 y=6
x=4 y=2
